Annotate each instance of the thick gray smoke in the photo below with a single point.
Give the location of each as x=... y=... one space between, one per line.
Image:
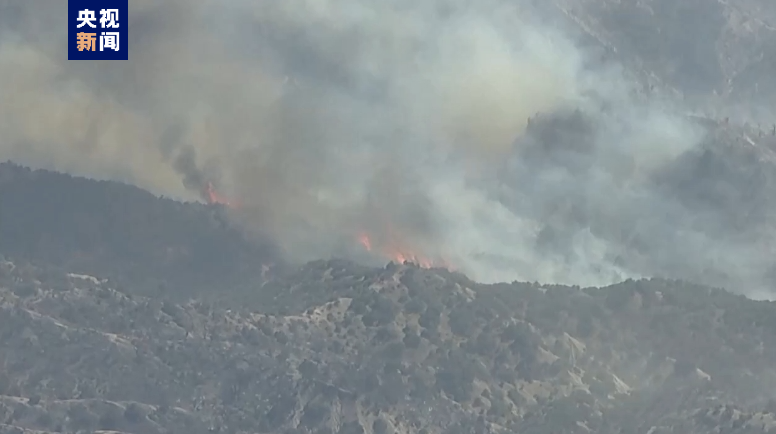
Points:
x=327 y=119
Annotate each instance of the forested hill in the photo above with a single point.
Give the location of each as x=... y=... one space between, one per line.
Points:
x=121 y=232
x=340 y=348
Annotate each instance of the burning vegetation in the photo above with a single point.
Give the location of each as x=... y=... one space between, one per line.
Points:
x=390 y=247
x=213 y=197
x=398 y=252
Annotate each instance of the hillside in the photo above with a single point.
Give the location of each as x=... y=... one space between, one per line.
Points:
x=336 y=347
x=340 y=348
x=698 y=48
x=123 y=233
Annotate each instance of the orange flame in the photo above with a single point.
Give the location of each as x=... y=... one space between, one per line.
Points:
x=393 y=250
x=400 y=255
x=214 y=198
x=364 y=240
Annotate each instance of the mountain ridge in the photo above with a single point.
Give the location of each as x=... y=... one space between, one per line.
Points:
x=374 y=348
x=332 y=346
x=711 y=52
x=120 y=230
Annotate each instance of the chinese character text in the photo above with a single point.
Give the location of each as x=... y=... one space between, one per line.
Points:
x=85 y=17
x=109 y=40
x=86 y=41
x=109 y=18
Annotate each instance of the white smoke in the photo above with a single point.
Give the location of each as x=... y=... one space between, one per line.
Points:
x=325 y=117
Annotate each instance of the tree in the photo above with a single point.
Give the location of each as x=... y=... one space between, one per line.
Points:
x=498 y=408
x=393 y=351
x=133 y=413
x=519 y=333
x=81 y=418
x=684 y=367
x=430 y=318
x=411 y=340
x=358 y=306
x=392 y=388
x=110 y=420
x=486 y=344
x=379 y=426
x=462 y=321
x=619 y=296
x=382 y=312
x=280 y=412
x=308 y=369
x=415 y=306
x=457 y=385
x=313 y=414
x=351 y=428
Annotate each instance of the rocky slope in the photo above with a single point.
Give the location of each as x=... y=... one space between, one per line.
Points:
x=338 y=348
x=697 y=48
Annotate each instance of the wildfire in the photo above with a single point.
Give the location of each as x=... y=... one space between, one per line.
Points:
x=393 y=250
x=400 y=255
x=214 y=198
x=365 y=241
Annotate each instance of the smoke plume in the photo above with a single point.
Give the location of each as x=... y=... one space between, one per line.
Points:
x=406 y=120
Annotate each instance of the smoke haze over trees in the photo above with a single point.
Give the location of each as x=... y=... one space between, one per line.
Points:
x=409 y=120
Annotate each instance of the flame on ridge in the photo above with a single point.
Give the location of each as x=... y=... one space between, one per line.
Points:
x=398 y=254
x=392 y=249
x=215 y=198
